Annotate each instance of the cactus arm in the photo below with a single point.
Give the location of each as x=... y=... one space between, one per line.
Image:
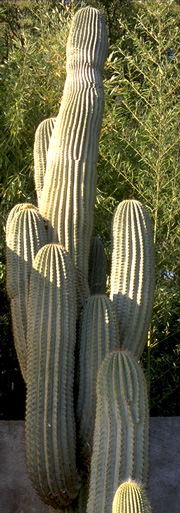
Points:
x=51 y=335
x=25 y=235
x=132 y=273
x=41 y=145
x=121 y=388
x=98 y=336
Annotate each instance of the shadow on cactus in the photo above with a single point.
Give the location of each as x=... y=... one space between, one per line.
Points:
x=71 y=339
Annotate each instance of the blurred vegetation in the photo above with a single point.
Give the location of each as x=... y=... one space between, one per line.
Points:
x=138 y=153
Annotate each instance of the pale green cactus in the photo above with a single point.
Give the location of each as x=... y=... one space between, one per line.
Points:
x=98 y=335
x=41 y=146
x=68 y=195
x=120 y=443
x=51 y=337
x=64 y=342
x=25 y=235
x=132 y=273
x=130 y=497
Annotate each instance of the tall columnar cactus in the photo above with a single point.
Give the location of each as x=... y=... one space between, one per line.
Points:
x=41 y=145
x=132 y=273
x=98 y=335
x=51 y=337
x=130 y=497
x=62 y=342
x=120 y=445
x=25 y=235
x=69 y=190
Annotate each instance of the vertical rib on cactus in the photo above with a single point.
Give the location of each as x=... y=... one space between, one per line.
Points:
x=97 y=267
x=98 y=336
x=132 y=273
x=41 y=145
x=51 y=336
x=120 y=444
x=130 y=497
x=68 y=195
x=25 y=235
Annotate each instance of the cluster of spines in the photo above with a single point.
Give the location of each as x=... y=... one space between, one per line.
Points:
x=51 y=337
x=132 y=273
x=120 y=447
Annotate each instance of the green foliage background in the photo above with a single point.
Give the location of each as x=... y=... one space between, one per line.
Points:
x=138 y=153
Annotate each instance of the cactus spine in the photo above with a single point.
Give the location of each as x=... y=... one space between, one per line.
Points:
x=51 y=336
x=69 y=190
x=132 y=273
x=130 y=497
x=120 y=448
x=25 y=235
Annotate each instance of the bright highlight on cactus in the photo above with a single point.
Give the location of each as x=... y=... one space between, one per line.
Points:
x=130 y=497
x=132 y=273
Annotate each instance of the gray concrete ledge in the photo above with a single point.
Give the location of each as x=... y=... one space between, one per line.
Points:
x=17 y=494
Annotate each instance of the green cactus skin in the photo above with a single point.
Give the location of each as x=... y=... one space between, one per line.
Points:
x=97 y=267
x=78 y=505
x=51 y=337
x=130 y=497
x=121 y=433
x=132 y=273
x=41 y=145
x=25 y=235
x=69 y=190
x=98 y=336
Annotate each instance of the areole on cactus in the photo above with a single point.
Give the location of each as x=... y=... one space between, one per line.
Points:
x=67 y=331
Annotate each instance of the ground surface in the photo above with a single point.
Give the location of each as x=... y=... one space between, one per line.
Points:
x=18 y=496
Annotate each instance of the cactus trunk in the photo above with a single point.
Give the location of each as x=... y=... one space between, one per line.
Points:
x=68 y=195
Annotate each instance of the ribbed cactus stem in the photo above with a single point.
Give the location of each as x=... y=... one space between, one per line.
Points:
x=132 y=273
x=68 y=195
x=97 y=267
x=121 y=441
x=51 y=337
x=130 y=497
x=25 y=235
x=98 y=336
x=41 y=145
